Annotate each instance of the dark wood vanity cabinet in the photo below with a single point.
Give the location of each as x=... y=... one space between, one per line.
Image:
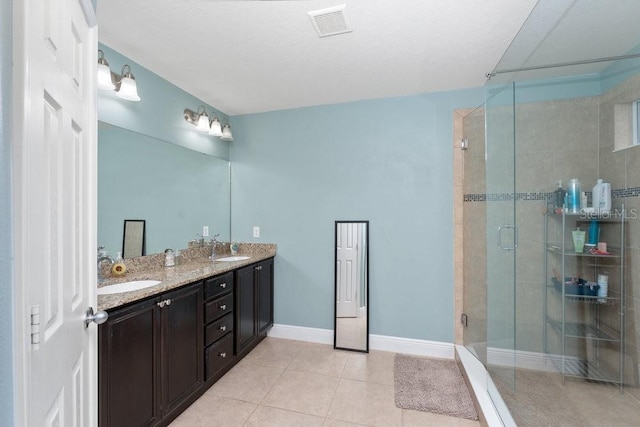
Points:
x=254 y=304
x=158 y=355
x=219 y=325
x=150 y=359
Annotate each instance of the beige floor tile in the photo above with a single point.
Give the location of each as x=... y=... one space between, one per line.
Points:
x=302 y=392
x=212 y=410
x=319 y=359
x=274 y=352
x=376 y=367
x=266 y=416
x=336 y=423
x=246 y=382
x=365 y=403
x=421 y=419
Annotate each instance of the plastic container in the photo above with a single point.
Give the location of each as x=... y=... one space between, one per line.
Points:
x=603 y=282
x=573 y=195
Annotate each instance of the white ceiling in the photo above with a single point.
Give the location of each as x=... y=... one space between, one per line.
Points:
x=254 y=56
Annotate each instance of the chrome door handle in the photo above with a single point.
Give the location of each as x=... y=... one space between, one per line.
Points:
x=98 y=318
x=161 y=304
x=168 y=301
x=501 y=245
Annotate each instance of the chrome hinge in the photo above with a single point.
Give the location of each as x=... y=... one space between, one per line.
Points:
x=35 y=327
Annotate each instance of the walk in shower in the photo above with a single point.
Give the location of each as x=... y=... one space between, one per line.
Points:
x=563 y=103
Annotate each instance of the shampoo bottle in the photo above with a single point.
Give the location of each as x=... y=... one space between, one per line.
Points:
x=118 y=268
x=578 y=240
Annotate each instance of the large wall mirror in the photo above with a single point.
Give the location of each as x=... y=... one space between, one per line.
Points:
x=176 y=191
x=351 y=328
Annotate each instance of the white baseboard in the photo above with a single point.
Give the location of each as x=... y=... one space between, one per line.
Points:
x=376 y=342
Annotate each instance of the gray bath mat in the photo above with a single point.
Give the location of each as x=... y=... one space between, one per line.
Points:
x=431 y=385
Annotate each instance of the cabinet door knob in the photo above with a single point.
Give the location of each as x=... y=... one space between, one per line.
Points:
x=222 y=354
x=223 y=285
x=223 y=328
x=223 y=307
x=161 y=304
x=169 y=301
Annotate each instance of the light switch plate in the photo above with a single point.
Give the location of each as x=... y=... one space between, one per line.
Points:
x=256 y=231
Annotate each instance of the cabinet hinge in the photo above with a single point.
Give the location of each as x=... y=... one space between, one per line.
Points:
x=35 y=327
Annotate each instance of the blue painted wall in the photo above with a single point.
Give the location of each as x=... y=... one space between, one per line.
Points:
x=6 y=271
x=389 y=161
x=159 y=112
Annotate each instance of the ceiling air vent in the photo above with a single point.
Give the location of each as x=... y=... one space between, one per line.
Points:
x=329 y=21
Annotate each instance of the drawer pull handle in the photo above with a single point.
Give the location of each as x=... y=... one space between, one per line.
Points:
x=223 y=285
x=223 y=328
x=223 y=307
x=222 y=355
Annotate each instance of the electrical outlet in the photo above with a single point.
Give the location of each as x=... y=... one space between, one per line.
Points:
x=256 y=231
x=205 y=231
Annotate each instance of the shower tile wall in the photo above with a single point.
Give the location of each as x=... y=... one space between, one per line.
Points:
x=622 y=169
x=556 y=140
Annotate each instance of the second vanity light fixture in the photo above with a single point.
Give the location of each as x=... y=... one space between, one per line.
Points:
x=200 y=119
x=124 y=84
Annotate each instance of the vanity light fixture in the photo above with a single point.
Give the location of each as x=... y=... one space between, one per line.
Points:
x=124 y=84
x=200 y=119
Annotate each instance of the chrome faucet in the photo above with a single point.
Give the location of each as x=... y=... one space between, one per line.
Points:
x=102 y=256
x=214 y=242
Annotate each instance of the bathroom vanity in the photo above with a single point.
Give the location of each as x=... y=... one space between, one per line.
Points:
x=163 y=346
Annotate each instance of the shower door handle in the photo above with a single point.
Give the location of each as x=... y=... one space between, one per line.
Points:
x=507 y=247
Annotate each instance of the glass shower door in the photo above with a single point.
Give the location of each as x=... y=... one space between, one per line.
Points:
x=502 y=237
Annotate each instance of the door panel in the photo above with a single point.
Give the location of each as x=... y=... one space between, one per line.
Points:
x=501 y=243
x=347 y=270
x=54 y=200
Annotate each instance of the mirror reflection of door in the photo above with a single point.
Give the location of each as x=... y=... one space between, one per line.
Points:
x=351 y=285
x=133 y=240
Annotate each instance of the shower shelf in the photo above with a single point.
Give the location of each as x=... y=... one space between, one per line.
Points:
x=558 y=250
x=580 y=330
x=585 y=299
x=592 y=348
x=578 y=368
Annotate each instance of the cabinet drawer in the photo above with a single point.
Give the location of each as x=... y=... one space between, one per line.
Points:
x=218 y=307
x=218 y=355
x=220 y=327
x=218 y=285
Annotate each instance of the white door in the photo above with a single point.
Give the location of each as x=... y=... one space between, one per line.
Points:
x=347 y=269
x=54 y=148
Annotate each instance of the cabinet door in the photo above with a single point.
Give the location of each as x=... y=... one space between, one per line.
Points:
x=181 y=346
x=128 y=367
x=265 y=296
x=245 y=308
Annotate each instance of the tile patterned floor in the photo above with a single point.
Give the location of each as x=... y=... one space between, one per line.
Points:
x=292 y=383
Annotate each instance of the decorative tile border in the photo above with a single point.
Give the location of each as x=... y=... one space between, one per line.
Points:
x=620 y=193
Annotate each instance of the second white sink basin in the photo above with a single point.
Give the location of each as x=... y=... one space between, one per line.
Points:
x=232 y=258
x=135 y=285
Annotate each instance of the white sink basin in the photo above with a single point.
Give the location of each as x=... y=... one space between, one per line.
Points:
x=135 y=285
x=232 y=258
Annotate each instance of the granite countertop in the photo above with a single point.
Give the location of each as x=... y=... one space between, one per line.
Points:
x=173 y=277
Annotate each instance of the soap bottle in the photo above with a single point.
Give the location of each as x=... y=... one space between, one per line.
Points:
x=118 y=268
x=558 y=198
x=234 y=248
